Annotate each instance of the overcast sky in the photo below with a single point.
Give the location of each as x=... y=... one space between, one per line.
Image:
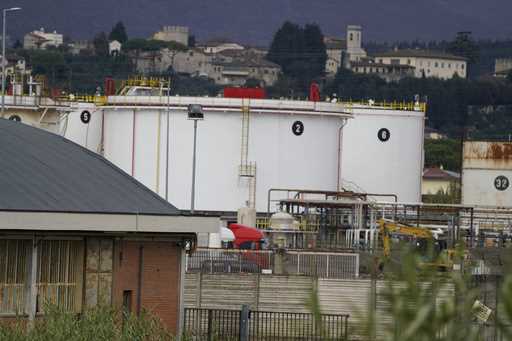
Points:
x=254 y=21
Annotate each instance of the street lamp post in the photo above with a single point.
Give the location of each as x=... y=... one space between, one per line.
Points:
x=4 y=59
x=195 y=113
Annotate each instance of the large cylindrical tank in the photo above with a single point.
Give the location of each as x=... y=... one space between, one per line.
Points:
x=135 y=138
x=382 y=152
x=293 y=144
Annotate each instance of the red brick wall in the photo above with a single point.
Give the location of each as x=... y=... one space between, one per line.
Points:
x=160 y=278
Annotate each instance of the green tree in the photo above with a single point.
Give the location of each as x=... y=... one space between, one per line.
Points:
x=445 y=153
x=465 y=47
x=100 y=43
x=118 y=33
x=301 y=53
x=17 y=44
x=252 y=83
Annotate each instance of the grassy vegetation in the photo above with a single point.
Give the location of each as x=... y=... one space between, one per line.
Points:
x=99 y=324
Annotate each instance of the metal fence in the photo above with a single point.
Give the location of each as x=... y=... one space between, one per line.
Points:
x=229 y=261
x=219 y=324
x=323 y=265
x=318 y=264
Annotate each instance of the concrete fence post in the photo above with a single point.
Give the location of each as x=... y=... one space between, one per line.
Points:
x=244 y=323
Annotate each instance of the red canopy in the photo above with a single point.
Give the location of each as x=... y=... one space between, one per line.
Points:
x=245 y=234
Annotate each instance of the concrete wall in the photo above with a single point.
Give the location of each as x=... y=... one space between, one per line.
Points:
x=291 y=294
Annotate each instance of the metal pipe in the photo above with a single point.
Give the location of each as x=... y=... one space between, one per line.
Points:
x=340 y=141
x=133 y=143
x=183 y=265
x=167 y=144
x=3 y=62
x=4 y=59
x=192 y=199
x=139 y=279
x=158 y=152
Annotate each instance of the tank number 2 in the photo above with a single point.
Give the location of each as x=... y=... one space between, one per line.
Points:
x=298 y=128
x=501 y=183
x=384 y=134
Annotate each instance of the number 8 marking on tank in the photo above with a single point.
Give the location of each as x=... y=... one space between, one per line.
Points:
x=384 y=134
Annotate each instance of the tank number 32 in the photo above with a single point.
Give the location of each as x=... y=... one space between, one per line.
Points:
x=501 y=183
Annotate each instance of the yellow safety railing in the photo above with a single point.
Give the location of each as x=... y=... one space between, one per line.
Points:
x=395 y=105
x=146 y=81
x=305 y=223
x=83 y=99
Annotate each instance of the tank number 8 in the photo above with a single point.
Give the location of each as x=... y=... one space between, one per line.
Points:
x=384 y=134
x=501 y=183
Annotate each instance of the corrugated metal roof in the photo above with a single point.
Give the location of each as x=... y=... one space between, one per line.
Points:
x=41 y=171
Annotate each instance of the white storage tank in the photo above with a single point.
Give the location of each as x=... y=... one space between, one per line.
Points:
x=486 y=173
x=292 y=144
x=382 y=152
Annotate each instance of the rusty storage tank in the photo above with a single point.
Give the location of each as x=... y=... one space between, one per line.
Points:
x=486 y=173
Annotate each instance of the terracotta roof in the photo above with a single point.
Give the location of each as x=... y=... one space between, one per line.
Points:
x=419 y=54
x=439 y=174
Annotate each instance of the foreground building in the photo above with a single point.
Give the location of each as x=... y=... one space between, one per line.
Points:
x=77 y=231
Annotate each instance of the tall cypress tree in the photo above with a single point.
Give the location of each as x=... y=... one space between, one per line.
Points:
x=118 y=33
x=300 y=51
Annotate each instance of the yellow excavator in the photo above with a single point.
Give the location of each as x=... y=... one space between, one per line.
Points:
x=443 y=258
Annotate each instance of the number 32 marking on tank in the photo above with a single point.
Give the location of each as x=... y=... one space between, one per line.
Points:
x=298 y=128
x=501 y=183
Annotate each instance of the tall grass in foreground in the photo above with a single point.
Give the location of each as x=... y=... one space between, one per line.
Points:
x=98 y=324
x=418 y=302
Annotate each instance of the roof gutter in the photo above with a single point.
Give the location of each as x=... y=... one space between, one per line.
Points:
x=87 y=222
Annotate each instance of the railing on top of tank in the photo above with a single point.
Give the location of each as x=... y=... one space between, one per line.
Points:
x=82 y=99
x=305 y=223
x=394 y=105
x=307 y=263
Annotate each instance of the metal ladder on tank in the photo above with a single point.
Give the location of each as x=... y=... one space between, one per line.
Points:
x=247 y=169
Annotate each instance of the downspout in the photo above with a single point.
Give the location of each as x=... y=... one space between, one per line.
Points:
x=158 y=152
x=181 y=299
x=139 y=280
x=340 y=145
x=133 y=144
